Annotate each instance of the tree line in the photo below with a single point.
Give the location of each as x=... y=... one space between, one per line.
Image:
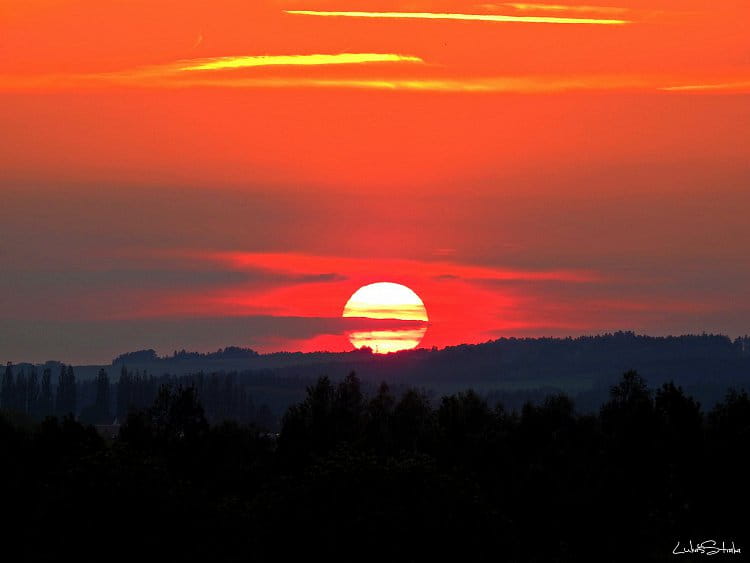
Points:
x=30 y=395
x=353 y=476
x=103 y=402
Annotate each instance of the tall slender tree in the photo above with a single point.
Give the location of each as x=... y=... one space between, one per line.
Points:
x=102 y=397
x=7 y=391
x=66 y=392
x=32 y=392
x=72 y=391
x=124 y=393
x=45 y=406
x=20 y=392
x=60 y=404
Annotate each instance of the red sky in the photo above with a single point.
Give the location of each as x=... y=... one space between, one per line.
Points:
x=201 y=174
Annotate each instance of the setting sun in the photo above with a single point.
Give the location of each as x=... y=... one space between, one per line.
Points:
x=386 y=300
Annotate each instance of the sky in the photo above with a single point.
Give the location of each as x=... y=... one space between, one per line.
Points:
x=194 y=174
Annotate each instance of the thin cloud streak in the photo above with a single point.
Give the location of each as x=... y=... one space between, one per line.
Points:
x=522 y=7
x=174 y=74
x=224 y=63
x=218 y=72
x=499 y=84
x=308 y=263
x=376 y=311
x=731 y=87
x=496 y=18
x=387 y=341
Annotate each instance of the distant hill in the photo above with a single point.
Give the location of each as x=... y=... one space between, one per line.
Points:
x=150 y=355
x=584 y=366
x=510 y=370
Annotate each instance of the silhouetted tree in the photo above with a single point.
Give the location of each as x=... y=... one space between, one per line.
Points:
x=7 y=389
x=72 y=391
x=378 y=419
x=347 y=409
x=308 y=426
x=20 y=392
x=463 y=415
x=32 y=392
x=124 y=393
x=263 y=417
x=413 y=421
x=102 y=397
x=630 y=411
x=729 y=420
x=680 y=418
x=176 y=414
x=546 y=429
x=45 y=405
x=174 y=423
x=464 y=421
x=65 y=400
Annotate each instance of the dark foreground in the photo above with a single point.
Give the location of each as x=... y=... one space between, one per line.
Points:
x=354 y=478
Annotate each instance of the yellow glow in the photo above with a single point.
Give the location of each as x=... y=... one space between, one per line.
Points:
x=385 y=300
x=387 y=341
x=224 y=63
x=463 y=17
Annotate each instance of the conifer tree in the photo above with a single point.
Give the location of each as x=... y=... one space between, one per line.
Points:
x=32 y=392
x=45 y=403
x=20 y=392
x=7 y=392
x=66 y=392
x=102 y=397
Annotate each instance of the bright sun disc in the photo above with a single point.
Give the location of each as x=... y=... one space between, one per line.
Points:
x=386 y=300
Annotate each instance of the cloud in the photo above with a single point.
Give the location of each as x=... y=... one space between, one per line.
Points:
x=175 y=74
x=380 y=311
x=76 y=282
x=482 y=84
x=509 y=84
x=496 y=18
x=311 y=264
x=733 y=87
x=224 y=63
x=172 y=76
x=524 y=7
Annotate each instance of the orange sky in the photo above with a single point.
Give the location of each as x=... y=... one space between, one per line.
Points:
x=191 y=164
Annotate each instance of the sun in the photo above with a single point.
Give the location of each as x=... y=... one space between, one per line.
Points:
x=386 y=300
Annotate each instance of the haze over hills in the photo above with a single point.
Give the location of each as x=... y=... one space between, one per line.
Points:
x=508 y=370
